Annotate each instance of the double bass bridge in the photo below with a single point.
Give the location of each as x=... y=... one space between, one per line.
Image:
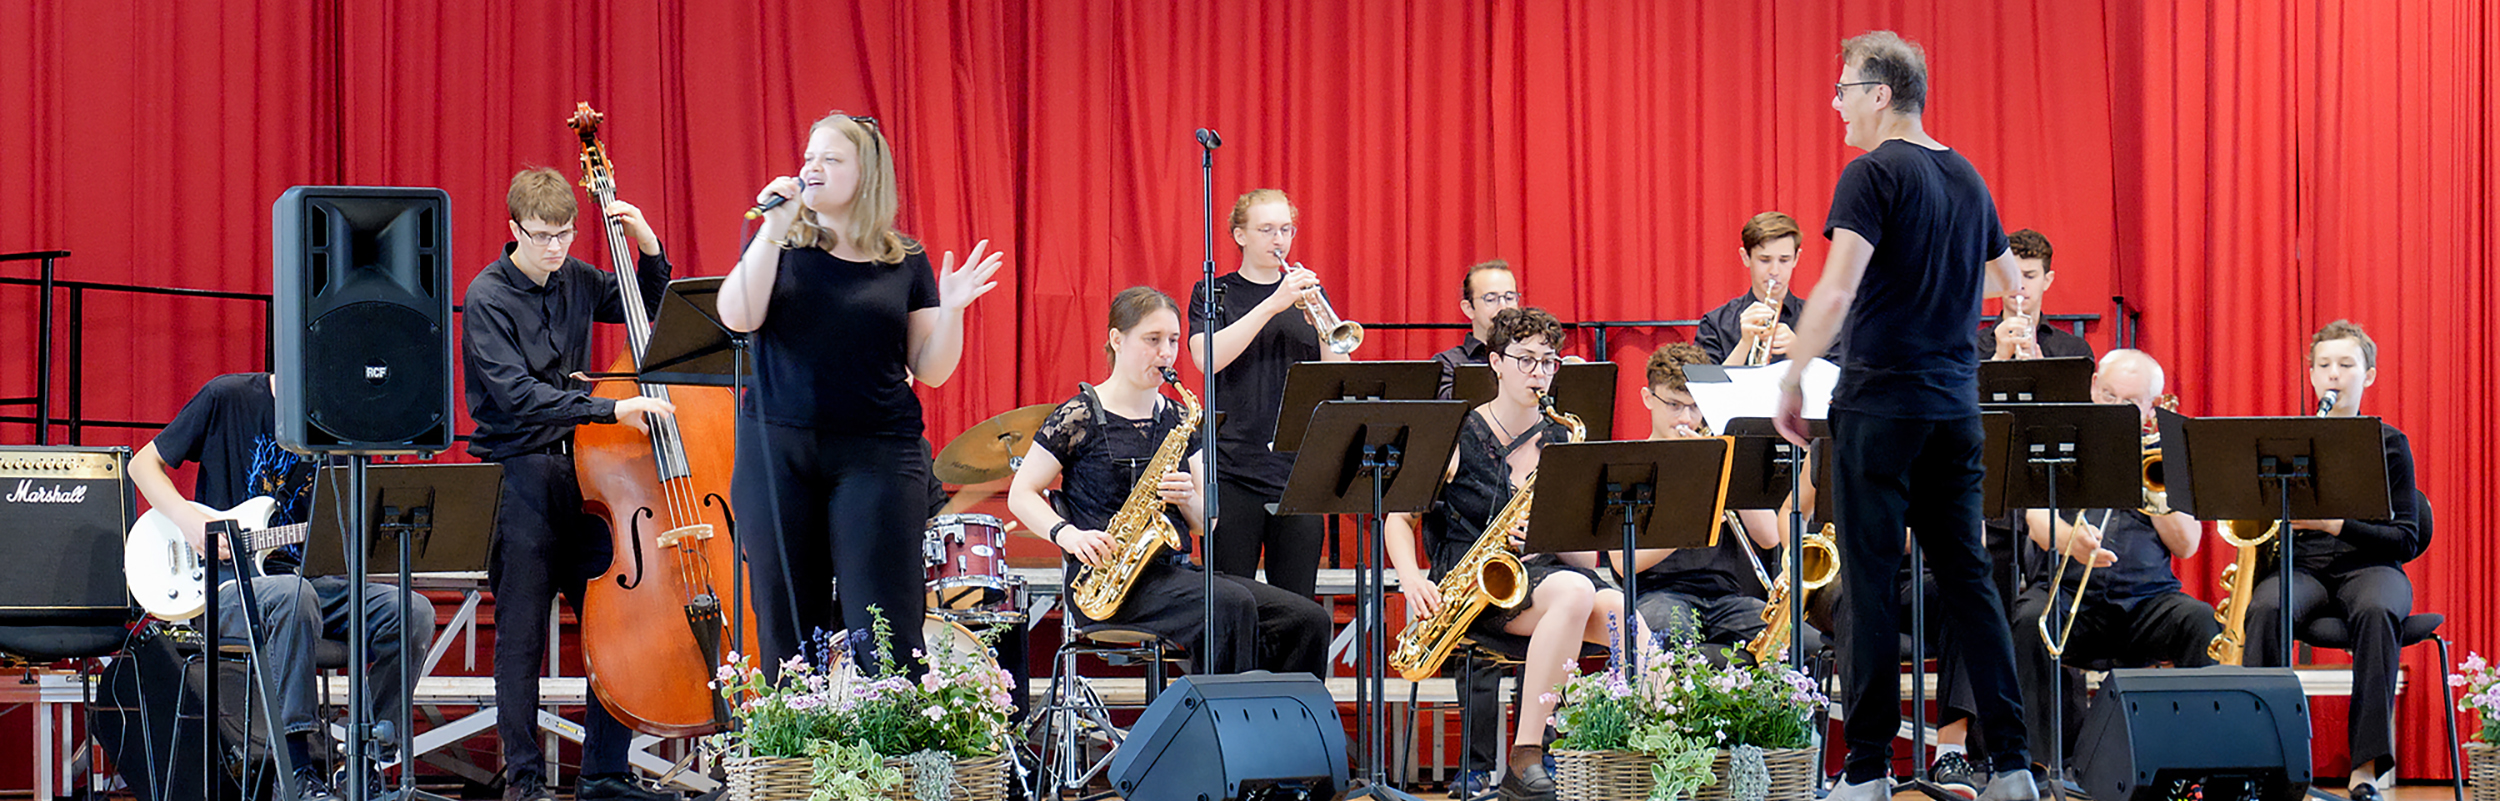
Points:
x=675 y=537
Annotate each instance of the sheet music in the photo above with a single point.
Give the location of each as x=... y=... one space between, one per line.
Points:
x=1755 y=392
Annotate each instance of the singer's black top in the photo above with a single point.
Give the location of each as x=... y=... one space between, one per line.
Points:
x=1250 y=390
x=519 y=341
x=834 y=350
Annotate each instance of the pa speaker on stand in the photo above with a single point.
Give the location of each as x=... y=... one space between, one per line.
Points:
x=362 y=319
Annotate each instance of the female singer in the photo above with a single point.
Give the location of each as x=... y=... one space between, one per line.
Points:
x=1499 y=445
x=831 y=468
x=2354 y=568
x=1258 y=334
x=1096 y=445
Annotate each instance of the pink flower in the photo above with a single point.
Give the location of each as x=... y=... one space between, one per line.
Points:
x=934 y=713
x=2474 y=663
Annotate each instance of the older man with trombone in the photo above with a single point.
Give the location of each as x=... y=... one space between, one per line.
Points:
x=2117 y=601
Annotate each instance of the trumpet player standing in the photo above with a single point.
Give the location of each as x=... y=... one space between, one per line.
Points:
x=2133 y=611
x=1257 y=333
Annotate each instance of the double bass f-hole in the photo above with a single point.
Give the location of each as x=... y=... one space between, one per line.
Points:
x=629 y=579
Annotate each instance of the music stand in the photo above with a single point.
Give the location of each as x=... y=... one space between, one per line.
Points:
x=2064 y=456
x=688 y=343
x=1592 y=496
x=2066 y=379
x=1586 y=389
x=441 y=517
x=2289 y=468
x=1308 y=384
x=1373 y=457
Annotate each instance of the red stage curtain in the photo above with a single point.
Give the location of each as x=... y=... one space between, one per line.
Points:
x=2242 y=172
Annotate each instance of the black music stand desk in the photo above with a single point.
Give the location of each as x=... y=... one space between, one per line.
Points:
x=1372 y=457
x=2066 y=379
x=1592 y=496
x=1309 y=384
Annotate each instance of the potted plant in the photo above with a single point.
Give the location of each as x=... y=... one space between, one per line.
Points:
x=2481 y=686
x=1685 y=727
x=811 y=734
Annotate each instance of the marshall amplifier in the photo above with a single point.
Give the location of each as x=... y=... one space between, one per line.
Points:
x=63 y=512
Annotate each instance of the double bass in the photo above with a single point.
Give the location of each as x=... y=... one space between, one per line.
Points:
x=659 y=620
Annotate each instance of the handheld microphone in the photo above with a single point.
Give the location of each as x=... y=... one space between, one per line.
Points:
x=769 y=204
x=2326 y=401
x=1208 y=139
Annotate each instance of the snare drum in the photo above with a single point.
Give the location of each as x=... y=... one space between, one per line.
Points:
x=964 y=561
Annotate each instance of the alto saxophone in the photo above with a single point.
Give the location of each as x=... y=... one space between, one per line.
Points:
x=2239 y=580
x=1489 y=574
x=1139 y=531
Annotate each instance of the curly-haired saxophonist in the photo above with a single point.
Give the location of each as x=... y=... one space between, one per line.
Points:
x=1098 y=445
x=1563 y=606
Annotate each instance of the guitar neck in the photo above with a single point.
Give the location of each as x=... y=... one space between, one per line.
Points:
x=273 y=538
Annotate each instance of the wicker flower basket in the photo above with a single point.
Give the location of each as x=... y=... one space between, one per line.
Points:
x=2482 y=766
x=786 y=779
x=1610 y=775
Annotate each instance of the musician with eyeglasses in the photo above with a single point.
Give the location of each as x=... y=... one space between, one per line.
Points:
x=1713 y=594
x=1483 y=291
x=229 y=429
x=2133 y=611
x=1256 y=334
x=1563 y=602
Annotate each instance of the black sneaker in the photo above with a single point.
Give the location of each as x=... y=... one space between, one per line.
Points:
x=526 y=787
x=1956 y=774
x=310 y=786
x=620 y=788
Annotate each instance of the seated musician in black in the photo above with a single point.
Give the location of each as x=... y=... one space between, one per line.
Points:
x=2134 y=612
x=1707 y=595
x=2352 y=568
x=1097 y=444
x=230 y=429
x=1498 y=446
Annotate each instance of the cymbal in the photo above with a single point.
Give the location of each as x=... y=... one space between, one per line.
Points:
x=990 y=451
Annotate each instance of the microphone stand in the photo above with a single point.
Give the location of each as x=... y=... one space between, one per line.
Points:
x=1208 y=141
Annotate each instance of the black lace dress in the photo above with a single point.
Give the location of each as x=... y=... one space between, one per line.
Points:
x=1472 y=497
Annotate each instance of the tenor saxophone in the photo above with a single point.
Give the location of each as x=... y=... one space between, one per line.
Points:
x=1139 y=531
x=1489 y=574
x=1821 y=568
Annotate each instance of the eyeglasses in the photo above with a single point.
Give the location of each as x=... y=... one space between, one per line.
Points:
x=1495 y=298
x=877 y=132
x=1277 y=231
x=1537 y=364
x=1839 y=89
x=544 y=240
x=1673 y=407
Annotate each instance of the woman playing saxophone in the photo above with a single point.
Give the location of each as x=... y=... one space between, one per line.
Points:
x=1561 y=606
x=1099 y=445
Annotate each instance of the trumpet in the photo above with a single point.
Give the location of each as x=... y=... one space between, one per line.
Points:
x=1760 y=353
x=1341 y=336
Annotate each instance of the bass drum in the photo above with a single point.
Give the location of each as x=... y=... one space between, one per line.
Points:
x=948 y=643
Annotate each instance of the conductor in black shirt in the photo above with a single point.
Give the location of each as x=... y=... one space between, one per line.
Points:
x=1765 y=314
x=2020 y=332
x=525 y=330
x=832 y=472
x=2353 y=569
x=1486 y=289
x=1915 y=244
x=1257 y=335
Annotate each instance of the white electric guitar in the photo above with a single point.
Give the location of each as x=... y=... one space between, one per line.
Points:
x=168 y=577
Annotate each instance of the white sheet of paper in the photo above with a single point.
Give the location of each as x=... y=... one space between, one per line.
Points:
x=1755 y=392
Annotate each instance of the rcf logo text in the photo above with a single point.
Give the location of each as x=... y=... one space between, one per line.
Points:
x=27 y=492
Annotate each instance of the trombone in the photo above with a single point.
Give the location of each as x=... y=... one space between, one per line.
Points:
x=2056 y=643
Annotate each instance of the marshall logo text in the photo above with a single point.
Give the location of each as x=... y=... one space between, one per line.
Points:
x=27 y=492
